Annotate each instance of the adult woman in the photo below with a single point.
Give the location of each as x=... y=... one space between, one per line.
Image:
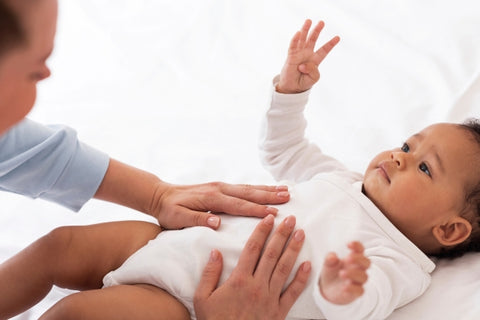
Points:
x=49 y=162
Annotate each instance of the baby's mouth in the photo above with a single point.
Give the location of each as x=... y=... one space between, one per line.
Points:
x=383 y=171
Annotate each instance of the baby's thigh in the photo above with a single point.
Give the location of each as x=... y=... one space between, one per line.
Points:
x=140 y=302
x=87 y=253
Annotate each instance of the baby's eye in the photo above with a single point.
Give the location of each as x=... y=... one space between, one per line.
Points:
x=423 y=167
x=405 y=148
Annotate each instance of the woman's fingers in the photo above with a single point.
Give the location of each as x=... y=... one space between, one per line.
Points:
x=274 y=248
x=245 y=295
x=286 y=262
x=194 y=205
x=210 y=276
x=296 y=287
x=253 y=248
x=244 y=200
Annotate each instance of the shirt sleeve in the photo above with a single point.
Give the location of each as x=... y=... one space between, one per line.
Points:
x=49 y=162
x=393 y=281
x=284 y=150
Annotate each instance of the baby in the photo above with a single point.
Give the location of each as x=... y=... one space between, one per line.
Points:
x=418 y=200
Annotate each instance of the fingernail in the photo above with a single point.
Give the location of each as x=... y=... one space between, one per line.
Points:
x=331 y=258
x=283 y=194
x=299 y=235
x=306 y=266
x=213 y=255
x=282 y=188
x=213 y=221
x=271 y=210
x=290 y=221
x=268 y=220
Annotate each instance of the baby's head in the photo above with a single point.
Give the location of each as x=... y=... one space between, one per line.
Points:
x=429 y=188
x=27 y=31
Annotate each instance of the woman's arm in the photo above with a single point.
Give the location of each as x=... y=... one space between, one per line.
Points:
x=49 y=162
x=178 y=206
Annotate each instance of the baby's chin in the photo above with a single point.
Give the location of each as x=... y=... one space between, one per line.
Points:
x=370 y=194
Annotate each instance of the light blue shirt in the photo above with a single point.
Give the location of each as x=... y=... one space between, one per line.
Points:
x=49 y=162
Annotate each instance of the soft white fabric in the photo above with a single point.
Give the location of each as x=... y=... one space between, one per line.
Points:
x=179 y=88
x=398 y=273
x=332 y=212
x=330 y=207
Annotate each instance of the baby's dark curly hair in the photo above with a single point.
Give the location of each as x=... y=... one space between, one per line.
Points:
x=11 y=32
x=472 y=203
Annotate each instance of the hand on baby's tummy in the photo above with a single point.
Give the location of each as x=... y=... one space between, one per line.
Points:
x=342 y=280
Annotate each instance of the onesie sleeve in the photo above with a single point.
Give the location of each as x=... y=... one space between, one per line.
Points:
x=284 y=149
x=49 y=162
x=393 y=281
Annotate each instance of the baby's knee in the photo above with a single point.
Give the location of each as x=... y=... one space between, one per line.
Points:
x=57 y=240
x=72 y=307
x=52 y=246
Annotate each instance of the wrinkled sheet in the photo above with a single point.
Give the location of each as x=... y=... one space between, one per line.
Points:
x=179 y=88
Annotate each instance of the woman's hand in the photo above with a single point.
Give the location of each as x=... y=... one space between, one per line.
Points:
x=254 y=289
x=179 y=206
x=194 y=205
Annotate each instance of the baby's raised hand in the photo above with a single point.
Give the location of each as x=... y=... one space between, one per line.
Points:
x=300 y=71
x=342 y=280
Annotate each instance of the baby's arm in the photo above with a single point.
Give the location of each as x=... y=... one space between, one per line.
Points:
x=341 y=280
x=300 y=71
x=284 y=149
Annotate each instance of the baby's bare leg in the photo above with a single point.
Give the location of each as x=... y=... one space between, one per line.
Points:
x=139 y=302
x=69 y=257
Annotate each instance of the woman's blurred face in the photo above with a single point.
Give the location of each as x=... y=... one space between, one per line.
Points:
x=24 y=66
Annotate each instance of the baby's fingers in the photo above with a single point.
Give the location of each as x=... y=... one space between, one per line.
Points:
x=294 y=42
x=354 y=275
x=304 y=32
x=357 y=260
x=310 y=69
x=332 y=261
x=312 y=39
x=356 y=246
x=352 y=291
x=325 y=49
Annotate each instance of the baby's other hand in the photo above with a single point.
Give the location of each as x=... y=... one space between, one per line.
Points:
x=300 y=71
x=342 y=280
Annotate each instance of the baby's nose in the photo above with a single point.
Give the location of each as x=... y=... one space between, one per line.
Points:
x=399 y=158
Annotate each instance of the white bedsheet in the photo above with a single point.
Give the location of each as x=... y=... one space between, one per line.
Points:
x=179 y=88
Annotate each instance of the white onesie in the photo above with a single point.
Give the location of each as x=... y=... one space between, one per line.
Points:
x=329 y=205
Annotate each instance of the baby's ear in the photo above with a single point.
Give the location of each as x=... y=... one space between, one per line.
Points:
x=453 y=232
